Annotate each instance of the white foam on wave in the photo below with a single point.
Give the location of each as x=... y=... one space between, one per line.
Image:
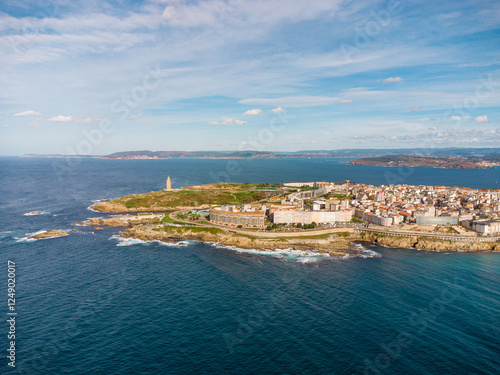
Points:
x=27 y=235
x=88 y=219
x=365 y=252
x=91 y=209
x=301 y=256
x=35 y=213
x=122 y=241
x=96 y=201
x=6 y=234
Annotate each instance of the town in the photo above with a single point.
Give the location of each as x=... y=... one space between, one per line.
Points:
x=299 y=205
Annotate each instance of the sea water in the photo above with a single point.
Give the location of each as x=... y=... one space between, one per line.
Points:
x=93 y=303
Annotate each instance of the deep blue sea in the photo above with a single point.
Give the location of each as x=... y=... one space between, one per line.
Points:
x=90 y=303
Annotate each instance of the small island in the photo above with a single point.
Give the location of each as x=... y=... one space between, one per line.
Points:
x=460 y=162
x=48 y=234
x=321 y=216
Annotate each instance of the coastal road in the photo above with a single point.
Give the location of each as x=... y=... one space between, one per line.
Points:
x=269 y=234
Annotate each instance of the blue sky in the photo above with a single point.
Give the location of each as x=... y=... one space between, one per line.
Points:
x=98 y=77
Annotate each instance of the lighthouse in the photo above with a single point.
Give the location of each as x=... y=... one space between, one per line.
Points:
x=169 y=184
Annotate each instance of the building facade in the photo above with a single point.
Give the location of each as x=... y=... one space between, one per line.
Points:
x=486 y=227
x=437 y=220
x=307 y=217
x=254 y=219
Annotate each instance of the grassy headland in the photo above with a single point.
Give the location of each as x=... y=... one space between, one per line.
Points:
x=194 y=196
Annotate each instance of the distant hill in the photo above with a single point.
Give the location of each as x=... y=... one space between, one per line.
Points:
x=344 y=153
x=462 y=162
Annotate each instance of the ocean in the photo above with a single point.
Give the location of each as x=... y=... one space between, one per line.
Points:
x=91 y=303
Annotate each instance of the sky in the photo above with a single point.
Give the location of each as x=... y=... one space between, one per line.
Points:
x=97 y=77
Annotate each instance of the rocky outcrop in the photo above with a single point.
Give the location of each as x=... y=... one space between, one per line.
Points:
x=49 y=234
x=445 y=245
x=334 y=246
x=118 y=221
x=435 y=244
x=396 y=241
x=111 y=222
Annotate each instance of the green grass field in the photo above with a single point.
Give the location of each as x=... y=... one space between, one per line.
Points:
x=188 y=198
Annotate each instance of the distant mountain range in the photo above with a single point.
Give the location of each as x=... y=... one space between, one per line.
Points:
x=344 y=153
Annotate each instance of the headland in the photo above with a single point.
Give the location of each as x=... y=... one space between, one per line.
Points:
x=319 y=216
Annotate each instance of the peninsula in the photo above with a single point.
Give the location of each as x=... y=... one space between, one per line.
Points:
x=317 y=216
x=462 y=162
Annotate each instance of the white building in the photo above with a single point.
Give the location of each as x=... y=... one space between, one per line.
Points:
x=307 y=217
x=299 y=184
x=486 y=227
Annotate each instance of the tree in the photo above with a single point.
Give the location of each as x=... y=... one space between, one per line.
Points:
x=299 y=225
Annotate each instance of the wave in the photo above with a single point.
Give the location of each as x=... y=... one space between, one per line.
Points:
x=96 y=201
x=35 y=213
x=91 y=209
x=27 y=235
x=122 y=241
x=366 y=252
x=289 y=254
x=6 y=234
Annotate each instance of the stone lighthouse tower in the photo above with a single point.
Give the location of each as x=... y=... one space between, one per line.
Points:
x=169 y=184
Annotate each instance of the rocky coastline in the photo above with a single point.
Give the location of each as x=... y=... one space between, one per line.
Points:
x=427 y=243
x=48 y=234
x=334 y=244
x=337 y=244
x=337 y=247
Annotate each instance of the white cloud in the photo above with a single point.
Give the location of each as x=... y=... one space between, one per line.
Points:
x=135 y=117
x=415 y=109
x=393 y=80
x=61 y=118
x=278 y=110
x=459 y=118
x=27 y=113
x=227 y=121
x=346 y=101
x=482 y=119
x=86 y=120
x=293 y=101
x=253 y=112
x=258 y=12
